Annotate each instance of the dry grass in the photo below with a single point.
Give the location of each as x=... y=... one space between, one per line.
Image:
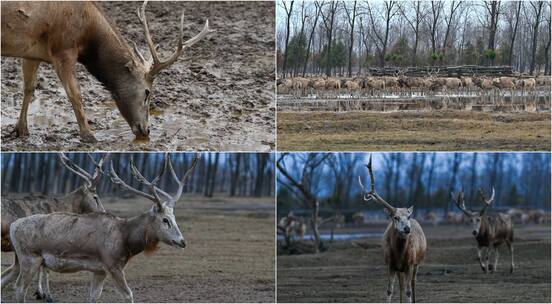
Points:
x=411 y=131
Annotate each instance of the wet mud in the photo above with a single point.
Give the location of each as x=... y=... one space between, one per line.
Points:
x=218 y=96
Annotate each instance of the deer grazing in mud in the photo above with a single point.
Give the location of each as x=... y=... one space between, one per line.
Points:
x=82 y=200
x=98 y=242
x=490 y=231
x=64 y=33
x=404 y=243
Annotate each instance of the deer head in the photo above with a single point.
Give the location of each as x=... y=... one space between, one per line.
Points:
x=162 y=222
x=89 y=200
x=134 y=98
x=399 y=216
x=475 y=217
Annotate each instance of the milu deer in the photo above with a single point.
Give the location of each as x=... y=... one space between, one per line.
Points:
x=404 y=243
x=64 y=33
x=489 y=230
x=98 y=242
x=82 y=200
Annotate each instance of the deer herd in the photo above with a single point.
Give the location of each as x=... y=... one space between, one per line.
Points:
x=313 y=85
x=75 y=232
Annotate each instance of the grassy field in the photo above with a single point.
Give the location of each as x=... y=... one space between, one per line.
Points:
x=229 y=257
x=443 y=130
x=450 y=272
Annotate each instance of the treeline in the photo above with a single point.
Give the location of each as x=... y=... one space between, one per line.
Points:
x=230 y=174
x=424 y=180
x=345 y=37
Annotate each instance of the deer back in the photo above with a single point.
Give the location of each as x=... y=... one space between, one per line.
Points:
x=495 y=229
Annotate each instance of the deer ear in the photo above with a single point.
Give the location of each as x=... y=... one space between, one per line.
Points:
x=388 y=212
x=410 y=210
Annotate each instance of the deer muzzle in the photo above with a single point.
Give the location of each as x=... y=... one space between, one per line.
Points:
x=141 y=131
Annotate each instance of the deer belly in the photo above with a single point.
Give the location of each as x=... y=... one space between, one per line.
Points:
x=64 y=264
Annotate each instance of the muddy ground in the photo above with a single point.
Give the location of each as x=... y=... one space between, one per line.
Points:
x=218 y=96
x=229 y=257
x=450 y=272
x=443 y=130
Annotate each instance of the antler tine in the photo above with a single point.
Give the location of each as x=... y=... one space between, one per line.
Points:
x=116 y=180
x=98 y=171
x=182 y=181
x=373 y=194
x=487 y=202
x=459 y=201
x=71 y=166
x=159 y=65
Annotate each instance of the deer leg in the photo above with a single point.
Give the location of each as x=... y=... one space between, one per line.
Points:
x=29 y=266
x=408 y=277
x=401 y=285
x=391 y=281
x=9 y=275
x=483 y=266
x=487 y=257
x=414 y=274
x=511 y=247
x=121 y=284
x=43 y=280
x=493 y=267
x=64 y=64
x=96 y=286
x=29 y=68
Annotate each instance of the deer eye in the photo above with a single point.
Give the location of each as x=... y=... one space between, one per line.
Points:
x=396 y=218
x=147 y=93
x=166 y=221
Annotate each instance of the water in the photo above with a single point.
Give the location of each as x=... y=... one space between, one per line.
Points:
x=341 y=236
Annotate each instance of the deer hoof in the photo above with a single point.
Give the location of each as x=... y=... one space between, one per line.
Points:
x=39 y=296
x=88 y=138
x=20 y=132
x=48 y=299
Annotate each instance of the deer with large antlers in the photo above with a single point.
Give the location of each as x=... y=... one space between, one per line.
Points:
x=490 y=230
x=82 y=200
x=64 y=33
x=404 y=243
x=98 y=242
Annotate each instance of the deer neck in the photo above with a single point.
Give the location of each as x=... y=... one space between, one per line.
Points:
x=139 y=236
x=106 y=54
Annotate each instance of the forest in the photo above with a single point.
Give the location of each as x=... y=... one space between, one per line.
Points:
x=224 y=174
x=346 y=37
x=424 y=180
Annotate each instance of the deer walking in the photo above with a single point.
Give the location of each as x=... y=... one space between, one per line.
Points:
x=64 y=33
x=98 y=242
x=490 y=231
x=82 y=200
x=404 y=243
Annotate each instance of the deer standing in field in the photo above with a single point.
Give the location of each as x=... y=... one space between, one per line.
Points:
x=82 y=200
x=404 y=243
x=64 y=33
x=98 y=242
x=490 y=231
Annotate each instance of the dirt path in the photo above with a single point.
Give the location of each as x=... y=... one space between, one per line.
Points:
x=229 y=257
x=450 y=272
x=219 y=96
x=444 y=130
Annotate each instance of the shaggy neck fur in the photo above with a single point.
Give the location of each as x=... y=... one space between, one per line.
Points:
x=106 y=54
x=139 y=237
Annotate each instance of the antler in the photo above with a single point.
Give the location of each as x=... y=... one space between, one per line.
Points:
x=459 y=200
x=181 y=182
x=157 y=64
x=372 y=194
x=91 y=180
x=487 y=202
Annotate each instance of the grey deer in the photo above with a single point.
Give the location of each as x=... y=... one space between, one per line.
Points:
x=98 y=242
x=82 y=200
x=490 y=230
x=404 y=243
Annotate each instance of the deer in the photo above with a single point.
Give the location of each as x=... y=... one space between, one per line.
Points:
x=99 y=243
x=490 y=231
x=66 y=33
x=84 y=199
x=404 y=242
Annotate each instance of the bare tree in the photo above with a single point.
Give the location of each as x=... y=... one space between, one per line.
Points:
x=289 y=10
x=390 y=10
x=351 y=16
